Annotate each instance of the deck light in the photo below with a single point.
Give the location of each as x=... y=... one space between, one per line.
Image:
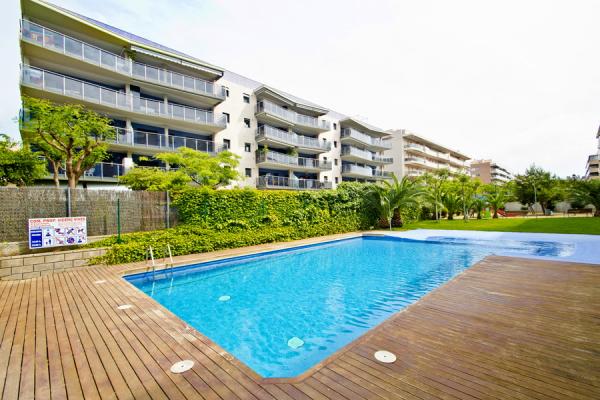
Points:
x=182 y=366
x=385 y=356
x=124 y=307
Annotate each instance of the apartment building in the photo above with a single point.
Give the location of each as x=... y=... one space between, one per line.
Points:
x=488 y=171
x=592 y=170
x=160 y=99
x=418 y=155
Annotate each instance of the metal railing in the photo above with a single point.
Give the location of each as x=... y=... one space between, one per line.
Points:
x=102 y=170
x=280 y=182
x=75 y=88
x=291 y=161
x=291 y=138
x=291 y=116
x=75 y=48
x=364 y=138
x=139 y=138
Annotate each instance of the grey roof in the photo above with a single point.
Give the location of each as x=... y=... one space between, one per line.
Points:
x=130 y=36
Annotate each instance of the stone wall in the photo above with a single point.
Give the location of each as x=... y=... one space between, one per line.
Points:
x=36 y=265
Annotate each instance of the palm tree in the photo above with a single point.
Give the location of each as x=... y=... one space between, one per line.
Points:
x=404 y=194
x=392 y=198
x=496 y=199
x=478 y=204
x=452 y=203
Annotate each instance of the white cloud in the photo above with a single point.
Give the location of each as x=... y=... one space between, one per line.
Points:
x=516 y=81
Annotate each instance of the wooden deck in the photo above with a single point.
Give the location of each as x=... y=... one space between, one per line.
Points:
x=507 y=328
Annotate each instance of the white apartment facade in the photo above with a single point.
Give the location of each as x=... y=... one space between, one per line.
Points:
x=160 y=99
x=592 y=167
x=415 y=155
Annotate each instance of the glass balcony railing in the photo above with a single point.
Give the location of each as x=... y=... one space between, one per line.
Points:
x=75 y=88
x=291 y=138
x=280 y=182
x=291 y=116
x=100 y=171
x=365 y=155
x=357 y=169
x=75 y=48
x=364 y=138
x=138 y=138
x=291 y=161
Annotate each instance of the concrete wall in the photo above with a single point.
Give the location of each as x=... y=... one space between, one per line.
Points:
x=36 y=265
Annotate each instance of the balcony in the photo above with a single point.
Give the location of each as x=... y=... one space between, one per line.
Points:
x=280 y=182
x=74 y=48
x=422 y=162
x=160 y=142
x=278 y=138
x=356 y=171
x=269 y=112
x=353 y=137
x=286 y=162
x=103 y=171
x=110 y=99
x=415 y=172
x=351 y=153
x=426 y=151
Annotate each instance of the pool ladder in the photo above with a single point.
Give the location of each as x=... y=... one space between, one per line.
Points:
x=166 y=264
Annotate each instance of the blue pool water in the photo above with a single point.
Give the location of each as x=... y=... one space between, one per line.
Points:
x=326 y=295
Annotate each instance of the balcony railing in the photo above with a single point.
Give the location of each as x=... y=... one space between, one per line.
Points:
x=75 y=88
x=356 y=169
x=364 y=138
x=292 y=161
x=138 y=138
x=280 y=182
x=291 y=116
x=426 y=150
x=291 y=138
x=100 y=171
x=75 y=48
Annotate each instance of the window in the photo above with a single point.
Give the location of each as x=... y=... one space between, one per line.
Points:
x=227 y=144
x=226 y=90
x=337 y=180
x=335 y=161
x=246 y=98
x=247 y=147
x=249 y=172
x=227 y=117
x=334 y=126
x=247 y=122
x=335 y=144
x=325 y=178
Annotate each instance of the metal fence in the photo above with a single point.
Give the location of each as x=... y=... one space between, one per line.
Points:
x=139 y=210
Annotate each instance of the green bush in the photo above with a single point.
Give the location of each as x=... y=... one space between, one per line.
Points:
x=223 y=219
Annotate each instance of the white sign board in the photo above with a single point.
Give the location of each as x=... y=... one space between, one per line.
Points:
x=53 y=232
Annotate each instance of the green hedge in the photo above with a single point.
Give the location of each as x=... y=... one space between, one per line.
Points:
x=216 y=220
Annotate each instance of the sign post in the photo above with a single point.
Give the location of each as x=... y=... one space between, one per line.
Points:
x=55 y=232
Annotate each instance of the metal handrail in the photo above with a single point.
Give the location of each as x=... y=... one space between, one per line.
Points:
x=76 y=88
x=59 y=42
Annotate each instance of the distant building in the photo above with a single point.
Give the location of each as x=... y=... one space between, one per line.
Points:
x=488 y=171
x=415 y=155
x=592 y=170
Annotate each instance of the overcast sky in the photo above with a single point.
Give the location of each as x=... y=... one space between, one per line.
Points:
x=515 y=81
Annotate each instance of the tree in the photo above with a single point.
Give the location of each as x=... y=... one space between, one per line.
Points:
x=204 y=169
x=19 y=166
x=538 y=185
x=154 y=179
x=496 y=197
x=68 y=135
x=452 y=203
x=586 y=192
x=478 y=203
x=435 y=183
x=395 y=198
x=467 y=189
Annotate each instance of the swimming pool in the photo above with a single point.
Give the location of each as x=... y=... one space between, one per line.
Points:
x=283 y=312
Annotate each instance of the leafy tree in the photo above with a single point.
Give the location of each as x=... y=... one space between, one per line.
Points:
x=19 y=166
x=154 y=179
x=538 y=184
x=435 y=183
x=452 y=202
x=496 y=197
x=586 y=192
x=204 y=169
x=67 y=135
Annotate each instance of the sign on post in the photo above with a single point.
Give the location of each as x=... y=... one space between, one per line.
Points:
x=54 y=232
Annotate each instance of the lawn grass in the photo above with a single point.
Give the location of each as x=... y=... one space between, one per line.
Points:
x=590 y=226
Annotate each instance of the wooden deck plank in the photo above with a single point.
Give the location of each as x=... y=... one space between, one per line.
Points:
x=505 y=328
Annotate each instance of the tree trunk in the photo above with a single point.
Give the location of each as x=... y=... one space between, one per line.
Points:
x=55 y=173
x=397 y=219
x=450 y=216
x=495 y=213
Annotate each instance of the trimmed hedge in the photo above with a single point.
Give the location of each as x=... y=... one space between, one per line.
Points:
x=223 y=219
